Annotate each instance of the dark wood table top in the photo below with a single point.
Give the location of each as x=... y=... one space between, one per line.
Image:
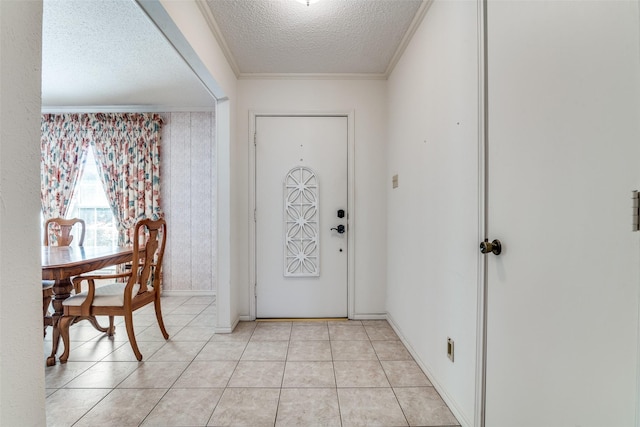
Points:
x=62 y=262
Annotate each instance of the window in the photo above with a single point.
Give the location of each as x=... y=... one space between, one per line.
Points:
x=90 y=203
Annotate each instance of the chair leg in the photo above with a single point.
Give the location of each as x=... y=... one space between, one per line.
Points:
x=128 y=322
x=94 y=322
x=63 y=324
x=46 y=318
x=158 y=308
x=111 y=330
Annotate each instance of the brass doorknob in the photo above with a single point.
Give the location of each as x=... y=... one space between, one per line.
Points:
x=494 y=247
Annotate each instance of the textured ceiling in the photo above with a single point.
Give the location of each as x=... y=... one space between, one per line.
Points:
x=330 y=36
x=108 y=53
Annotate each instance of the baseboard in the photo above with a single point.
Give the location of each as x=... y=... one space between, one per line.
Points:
x=451 y=403
x=369 y=316
x=227 y=329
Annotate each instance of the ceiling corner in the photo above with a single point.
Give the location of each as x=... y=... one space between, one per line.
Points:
x=215 y=29
x=408 y=35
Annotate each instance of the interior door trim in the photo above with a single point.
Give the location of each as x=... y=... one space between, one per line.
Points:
x=351 y=210
x=483 y=138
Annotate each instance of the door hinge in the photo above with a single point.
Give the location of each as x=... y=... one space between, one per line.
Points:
x=635 y=211
x=255 y=290
x=255 y=139
x=255 y=216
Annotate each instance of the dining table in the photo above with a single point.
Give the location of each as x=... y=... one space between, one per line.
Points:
x=61 y=263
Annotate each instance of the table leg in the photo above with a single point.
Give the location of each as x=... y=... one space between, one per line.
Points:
x=61 y=291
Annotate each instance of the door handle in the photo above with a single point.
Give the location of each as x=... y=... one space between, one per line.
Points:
x=340 y=229
x=494 y=247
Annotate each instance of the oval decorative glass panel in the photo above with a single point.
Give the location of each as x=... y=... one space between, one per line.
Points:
x=301 y=225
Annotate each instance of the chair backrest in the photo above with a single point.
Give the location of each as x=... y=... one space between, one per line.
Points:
x=57 y=231
x=150 y=236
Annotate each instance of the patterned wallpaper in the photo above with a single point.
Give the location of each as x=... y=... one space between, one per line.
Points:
x=188 y=177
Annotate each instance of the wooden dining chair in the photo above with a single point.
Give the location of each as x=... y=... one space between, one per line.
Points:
x=142 y=287
x=58 y=232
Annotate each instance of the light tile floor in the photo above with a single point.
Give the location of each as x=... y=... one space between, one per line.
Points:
x=336 y=373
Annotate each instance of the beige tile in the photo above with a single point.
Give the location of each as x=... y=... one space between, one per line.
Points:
x=205 y=319
x=391 y=350
x=243 y=327
x=266 y=350
x=309 y=350
x=370 y=407
x=309 y=331
x=178 y=351
x=82 y=331
x=194 y=333
x=309 y=374
x=246 y=407
x=177 y=319
x=140 y=320
x=61 y=413
x=272 y=331
x=352 y=350
x=380 y=331
x=104 y=375
x=347 y=331
x=154 y=375
x=221 y=350
x=170 y=411
x=423 y=406
x=193 y=309
x=206 y=374
x=153 y=333
x=308 y=407
x=124 y=353
x=122 y=408
x=201 y=300
x=404 y=373
x=92 y=351
x=359 y=373
x=60 y=374
x=241 y=333
x=257 y=374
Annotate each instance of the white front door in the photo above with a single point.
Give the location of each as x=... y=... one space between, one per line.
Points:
x=301 y=216
x=563 y=158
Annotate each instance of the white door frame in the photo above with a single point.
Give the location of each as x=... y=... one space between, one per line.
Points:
x=351 y=274
x=481 y=316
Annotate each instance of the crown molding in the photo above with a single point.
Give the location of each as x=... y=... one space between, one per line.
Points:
x=408 y=35
x=60 y=109
x=215 y=29
x=313 y=76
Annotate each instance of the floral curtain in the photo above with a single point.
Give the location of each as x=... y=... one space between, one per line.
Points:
x=127 y=148
x=63 y=144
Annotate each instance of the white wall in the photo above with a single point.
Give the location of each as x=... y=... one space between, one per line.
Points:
x=367 y=98
x=433 y=214
x=21 y=361
x=188 y=170
x=194 y=29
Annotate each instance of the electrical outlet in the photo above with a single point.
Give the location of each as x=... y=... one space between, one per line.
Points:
x=450 y=348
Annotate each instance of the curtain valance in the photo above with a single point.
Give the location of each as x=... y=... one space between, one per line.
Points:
x=127 y=148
